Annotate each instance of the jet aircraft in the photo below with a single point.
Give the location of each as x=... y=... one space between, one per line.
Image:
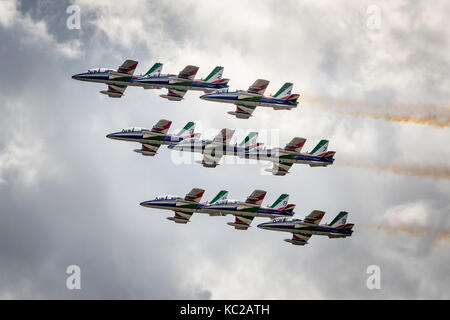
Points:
x=247 y=101
x=302 y=230
x=283 y=159
x=117 y=80
x=213 y=150
x=178 y=85
x=152 y=139
x=245 y=212
x=184 y=208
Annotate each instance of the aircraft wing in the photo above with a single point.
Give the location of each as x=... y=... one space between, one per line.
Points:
x=243 y=111
x=174 y=94
x=149 y=149
x=162 y=126
x=211 y=160
x=280 y=168
x=181 y=217
x=128 y=67
x=114 y=90
x=188 y=72
x=299 y=239
x=314 y=217
x=241 y=222
x=259 y=86
x=296 y=144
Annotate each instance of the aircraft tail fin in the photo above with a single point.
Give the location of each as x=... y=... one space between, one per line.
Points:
x=281 y=202
x=222 y=195
x=340 y=220
x=128 y=67
x=154 y=71
x=249 y=141
x=320 y=148
x=188 y=72
x=285 y=91
x=296 y=144
x=187 y=131
x=256 y=197
x=195 y=195
x=224 y=136
x=215 y=75
x=259 y=86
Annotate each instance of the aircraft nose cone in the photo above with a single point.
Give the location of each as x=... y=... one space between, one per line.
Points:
x=115 y=136
x=144 y=203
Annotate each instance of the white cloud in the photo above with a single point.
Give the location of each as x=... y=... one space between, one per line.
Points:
x=35 y=32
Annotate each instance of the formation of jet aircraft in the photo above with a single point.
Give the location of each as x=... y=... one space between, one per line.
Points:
x=220 y=205
x=282 y=158
x=215 y=88
x=280 y=212
x=214 y=149
x=177 y=85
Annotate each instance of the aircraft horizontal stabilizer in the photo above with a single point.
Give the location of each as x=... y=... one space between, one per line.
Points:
x=276 y=172
x=207 y=164
x=146 y=152
x=296 y=242
x=178 y=220
x=180 y=217
x=241 y=222
x=112 y=94
x=299 y=239
x=331 y=236
x=171 y=97
x=240 y=115
x=238 y=226
x=318 y=164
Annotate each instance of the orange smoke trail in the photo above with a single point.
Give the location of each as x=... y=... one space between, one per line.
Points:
x=417 y=114
x=413 y=230
x=434 y=172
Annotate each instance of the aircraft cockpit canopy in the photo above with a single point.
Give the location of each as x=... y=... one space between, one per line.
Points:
x=281 y=219
x=134 y=129
x=167 y=197
x=223 y=90
x=98 y=70
x=227 y=201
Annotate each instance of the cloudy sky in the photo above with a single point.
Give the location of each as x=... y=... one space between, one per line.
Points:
x=69 y=196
